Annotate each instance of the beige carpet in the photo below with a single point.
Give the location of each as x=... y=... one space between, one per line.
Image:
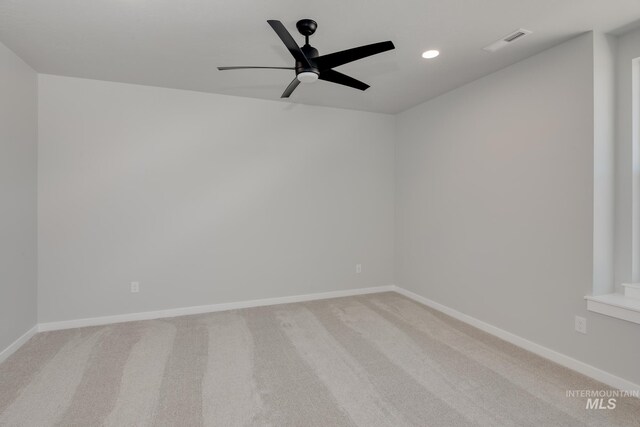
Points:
x=373 y=360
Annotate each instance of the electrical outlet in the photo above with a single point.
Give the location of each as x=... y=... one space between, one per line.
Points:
x=135 y=287
x=358 y=268
x=581 y=325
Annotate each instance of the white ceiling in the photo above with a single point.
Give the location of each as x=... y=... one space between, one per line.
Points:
x=179 y=43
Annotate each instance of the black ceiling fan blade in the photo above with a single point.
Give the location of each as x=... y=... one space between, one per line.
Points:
x=345 y=56
x=289 y=42
x=252 y=67
x=342 y=79
x=289 y=90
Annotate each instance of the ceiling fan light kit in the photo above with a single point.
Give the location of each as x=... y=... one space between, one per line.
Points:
x=310 y=66
x=307 y=77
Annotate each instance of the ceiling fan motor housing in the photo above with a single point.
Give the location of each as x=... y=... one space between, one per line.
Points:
x=310 y=52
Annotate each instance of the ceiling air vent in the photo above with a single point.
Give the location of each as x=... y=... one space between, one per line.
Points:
x=516 y=35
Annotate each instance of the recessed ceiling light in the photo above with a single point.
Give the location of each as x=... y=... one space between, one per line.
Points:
x=430 y=54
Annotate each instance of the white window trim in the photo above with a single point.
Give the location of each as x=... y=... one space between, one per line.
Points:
x=622 y=306
x=626 y=305
x=635 y=170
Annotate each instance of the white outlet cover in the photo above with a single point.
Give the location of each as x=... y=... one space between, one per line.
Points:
x=135 y=287
x=358 y=268
x=581 y=324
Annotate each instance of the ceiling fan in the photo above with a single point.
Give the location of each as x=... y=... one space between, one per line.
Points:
x=310 y=66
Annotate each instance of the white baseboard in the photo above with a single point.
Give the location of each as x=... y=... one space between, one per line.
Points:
x=175 y=312
x=559 y=358
x=17 y=343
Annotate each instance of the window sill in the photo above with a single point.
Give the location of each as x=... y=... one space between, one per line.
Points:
x=615 y=305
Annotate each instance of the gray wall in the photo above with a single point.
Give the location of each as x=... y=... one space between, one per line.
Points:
x=18 y=142
x=204 y=198
x=494 y=205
